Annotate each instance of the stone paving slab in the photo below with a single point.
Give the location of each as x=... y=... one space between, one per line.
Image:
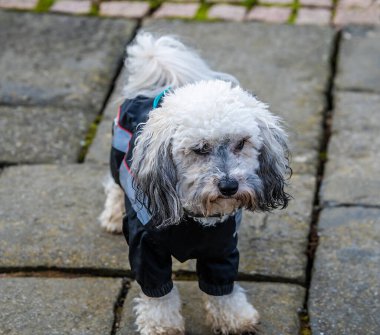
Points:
x=18 y=4
x=48 y=218
x=277 y=304
x=270 y=14
x=128 y=9
x=31 y=134
x=345 y=289
x=71 y=6
x=286 y=66
x=359 y=59
x=52 y=306
x=59 y=60
x=274 y=244
x=64 y=232
x=352 y=171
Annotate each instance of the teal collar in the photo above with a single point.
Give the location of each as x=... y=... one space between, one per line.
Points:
x=158 y=98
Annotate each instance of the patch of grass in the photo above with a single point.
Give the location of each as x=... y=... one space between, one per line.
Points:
x=201 y=14
x=293 y=16
x=91 y=132
x=249 y=3
x=305 y=323
x=335 y=6
x=44 y=5
x=154 y=4
x=94 y=10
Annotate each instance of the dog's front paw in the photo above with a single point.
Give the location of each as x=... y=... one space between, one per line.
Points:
x=159 y=316
x=111 y=224
x=231 y=314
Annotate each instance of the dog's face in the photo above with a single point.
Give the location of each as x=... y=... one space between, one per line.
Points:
x=209 y=150
x=217 y=175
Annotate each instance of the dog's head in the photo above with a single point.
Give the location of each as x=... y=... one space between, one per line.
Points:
x=208 y=150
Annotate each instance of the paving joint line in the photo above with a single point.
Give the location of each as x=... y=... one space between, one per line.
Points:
x=119 y=304
x=45 y=271
x=182 y=275
x=357 y=90
x=91 y=133
x=349 y=205
x=317 y=205
x=4 y=165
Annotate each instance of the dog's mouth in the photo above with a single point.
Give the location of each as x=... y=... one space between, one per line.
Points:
x=216 y=205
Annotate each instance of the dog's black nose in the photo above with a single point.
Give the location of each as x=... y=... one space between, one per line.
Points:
x=228 y=186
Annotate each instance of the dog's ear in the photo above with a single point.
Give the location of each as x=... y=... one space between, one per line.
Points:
x=155 y=172
x=274 y=164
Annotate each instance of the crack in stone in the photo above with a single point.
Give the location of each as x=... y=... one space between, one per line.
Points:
x=317 y=206
x=356 y=90
x=118 y=307
x=45 y=271
x=328 y=204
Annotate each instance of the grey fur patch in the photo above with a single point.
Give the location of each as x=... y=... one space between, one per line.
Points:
x=156 y=186
x=274 y=169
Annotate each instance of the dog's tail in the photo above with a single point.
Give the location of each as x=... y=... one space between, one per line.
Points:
x=154 y=64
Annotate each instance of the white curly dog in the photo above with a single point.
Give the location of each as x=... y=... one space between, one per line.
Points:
x=191 y=149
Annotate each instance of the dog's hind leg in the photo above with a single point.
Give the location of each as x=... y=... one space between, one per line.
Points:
x=111 y=219
x=159 y=316
x=231 y=313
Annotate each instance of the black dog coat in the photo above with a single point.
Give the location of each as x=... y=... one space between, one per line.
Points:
x=151 y=249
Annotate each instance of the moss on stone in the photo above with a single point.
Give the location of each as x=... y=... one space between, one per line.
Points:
x=293 y=16
x=304 y=323
x=44 y=5
x=323 y=156
x=89 y=138
x=94 y=10
x=250 y=3
x=154 y=4
x=202 y=12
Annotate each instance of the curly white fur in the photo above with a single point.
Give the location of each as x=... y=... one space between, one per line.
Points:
x=111 y=219
x=231 y=313
x=153 y=64
x=159 y=316
x=217 y=114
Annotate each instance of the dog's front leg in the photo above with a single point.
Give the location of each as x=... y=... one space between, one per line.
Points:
x=159 y=316
x=231 y=313
x=111 y=219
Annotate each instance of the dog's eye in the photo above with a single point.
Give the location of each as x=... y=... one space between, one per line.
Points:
x=240 y=145
x=202 y=150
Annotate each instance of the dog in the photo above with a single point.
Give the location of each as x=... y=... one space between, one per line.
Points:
x=191 y=149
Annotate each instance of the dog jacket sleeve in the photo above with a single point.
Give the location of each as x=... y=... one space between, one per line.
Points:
x=151 y=249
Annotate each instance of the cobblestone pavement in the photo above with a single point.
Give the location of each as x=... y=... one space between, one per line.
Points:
x=302 y=12
x=310 y=269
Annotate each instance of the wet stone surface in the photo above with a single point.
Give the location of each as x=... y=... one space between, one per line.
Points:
x=285 y=66
x=59 y=60
x=277 y=304
x=72 y=306
x=345 y=288
x=358 y=59
x=352 y=171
